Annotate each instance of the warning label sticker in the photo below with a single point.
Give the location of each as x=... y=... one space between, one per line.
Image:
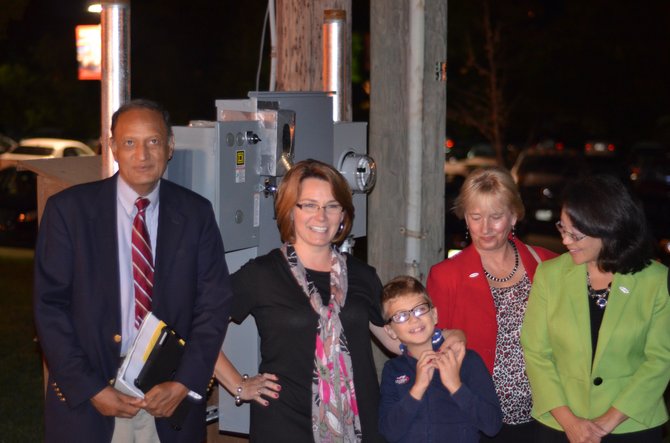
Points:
x=240 y=170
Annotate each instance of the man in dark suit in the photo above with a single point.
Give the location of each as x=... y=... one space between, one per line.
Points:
x=84 y=298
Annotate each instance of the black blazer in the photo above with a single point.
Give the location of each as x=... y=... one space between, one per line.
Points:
x=77 y=303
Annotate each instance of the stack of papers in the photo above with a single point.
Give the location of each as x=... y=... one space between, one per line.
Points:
x=153 y=358
x=146 y=339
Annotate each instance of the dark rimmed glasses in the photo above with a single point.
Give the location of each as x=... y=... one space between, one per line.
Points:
x=313 y=208
x=565 y=233
x=417 y=311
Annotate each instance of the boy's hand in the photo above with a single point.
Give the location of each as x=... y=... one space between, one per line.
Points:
x=425 y=367
x=449 y=364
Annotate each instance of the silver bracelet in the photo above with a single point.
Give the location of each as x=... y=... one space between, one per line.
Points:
x=238 y=399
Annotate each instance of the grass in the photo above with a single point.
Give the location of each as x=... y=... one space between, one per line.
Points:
x=21 y=402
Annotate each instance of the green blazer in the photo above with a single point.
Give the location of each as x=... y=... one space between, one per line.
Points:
x=632 y=359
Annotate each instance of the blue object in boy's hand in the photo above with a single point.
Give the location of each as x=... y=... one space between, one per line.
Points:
x=437 y=339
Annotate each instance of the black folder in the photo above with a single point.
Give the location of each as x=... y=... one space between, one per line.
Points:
x=161 y=366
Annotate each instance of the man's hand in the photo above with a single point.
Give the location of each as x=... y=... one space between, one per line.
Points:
x=163 y=399
x=113 y=403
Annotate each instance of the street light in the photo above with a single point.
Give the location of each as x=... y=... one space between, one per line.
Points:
x=95 y=8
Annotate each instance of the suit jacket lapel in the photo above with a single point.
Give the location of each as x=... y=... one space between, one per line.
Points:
x=103 y=219
x=170 y=230
x=622 y=290
x=576 y=296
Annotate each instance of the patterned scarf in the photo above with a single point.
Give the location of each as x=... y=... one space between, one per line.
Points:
x=334 y=407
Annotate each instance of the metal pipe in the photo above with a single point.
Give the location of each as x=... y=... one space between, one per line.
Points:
x=115 y=84
x=413 y=232
x=334 y=60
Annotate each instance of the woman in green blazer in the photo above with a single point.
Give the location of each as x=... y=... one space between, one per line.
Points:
x=596 y=334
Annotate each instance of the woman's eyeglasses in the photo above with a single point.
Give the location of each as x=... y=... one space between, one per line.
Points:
x=313 y=208
x=565 y=233
x=417 y=311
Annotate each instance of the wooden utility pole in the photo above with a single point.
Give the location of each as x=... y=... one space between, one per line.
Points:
x=389 y=30
x=299 y=54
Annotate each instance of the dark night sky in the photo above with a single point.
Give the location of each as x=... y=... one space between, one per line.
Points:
x=183 y=54
x=590 y=68
x=575 y=70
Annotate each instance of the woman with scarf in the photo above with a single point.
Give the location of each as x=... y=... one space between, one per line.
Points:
x=314 y=308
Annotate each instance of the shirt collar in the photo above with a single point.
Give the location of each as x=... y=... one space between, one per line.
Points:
x=127 y=196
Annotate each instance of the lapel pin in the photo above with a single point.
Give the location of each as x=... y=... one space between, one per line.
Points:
x=624 y=290
x=474 y=274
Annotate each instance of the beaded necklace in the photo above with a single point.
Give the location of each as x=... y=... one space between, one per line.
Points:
x=514 y=269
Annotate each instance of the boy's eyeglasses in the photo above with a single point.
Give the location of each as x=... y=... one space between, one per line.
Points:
x=313 y=208
x=565 y=233
x=417 y=311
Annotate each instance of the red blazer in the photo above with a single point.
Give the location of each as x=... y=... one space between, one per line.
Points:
x=462 y=295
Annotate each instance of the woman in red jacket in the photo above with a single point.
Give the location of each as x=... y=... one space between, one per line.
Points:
x=484 y=290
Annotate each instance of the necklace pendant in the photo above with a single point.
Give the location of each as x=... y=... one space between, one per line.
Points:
x=599 y=297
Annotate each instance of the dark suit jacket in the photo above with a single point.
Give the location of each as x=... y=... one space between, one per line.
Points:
x=77 y=302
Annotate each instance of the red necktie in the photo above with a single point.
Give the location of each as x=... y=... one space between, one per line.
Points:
x=143 y=263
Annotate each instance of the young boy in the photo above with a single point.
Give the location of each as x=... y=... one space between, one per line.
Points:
x=431 y=395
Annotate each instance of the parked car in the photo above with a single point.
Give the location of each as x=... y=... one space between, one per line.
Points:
x=18 y=208
x=650 y=180
x=642 y=157
x=603 y=156
x=6 y=143
x=477 y=156
x=454 y=228
x=541 y=175
x=36 y=148
x=600 y=147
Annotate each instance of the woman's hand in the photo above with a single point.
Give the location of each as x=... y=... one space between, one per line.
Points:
x=254 y=388
x=259 y=387
x=582 y=430
x=577 y=429
x=454 y=339
x=610 y=419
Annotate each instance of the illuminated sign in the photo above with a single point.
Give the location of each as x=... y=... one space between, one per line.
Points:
x=88 y=51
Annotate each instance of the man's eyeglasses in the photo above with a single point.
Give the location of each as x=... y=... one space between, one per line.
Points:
x=313 y=208
x=417 y=311
x=574 y=237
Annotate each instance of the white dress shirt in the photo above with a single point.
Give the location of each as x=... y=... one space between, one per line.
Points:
x=125 y=213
